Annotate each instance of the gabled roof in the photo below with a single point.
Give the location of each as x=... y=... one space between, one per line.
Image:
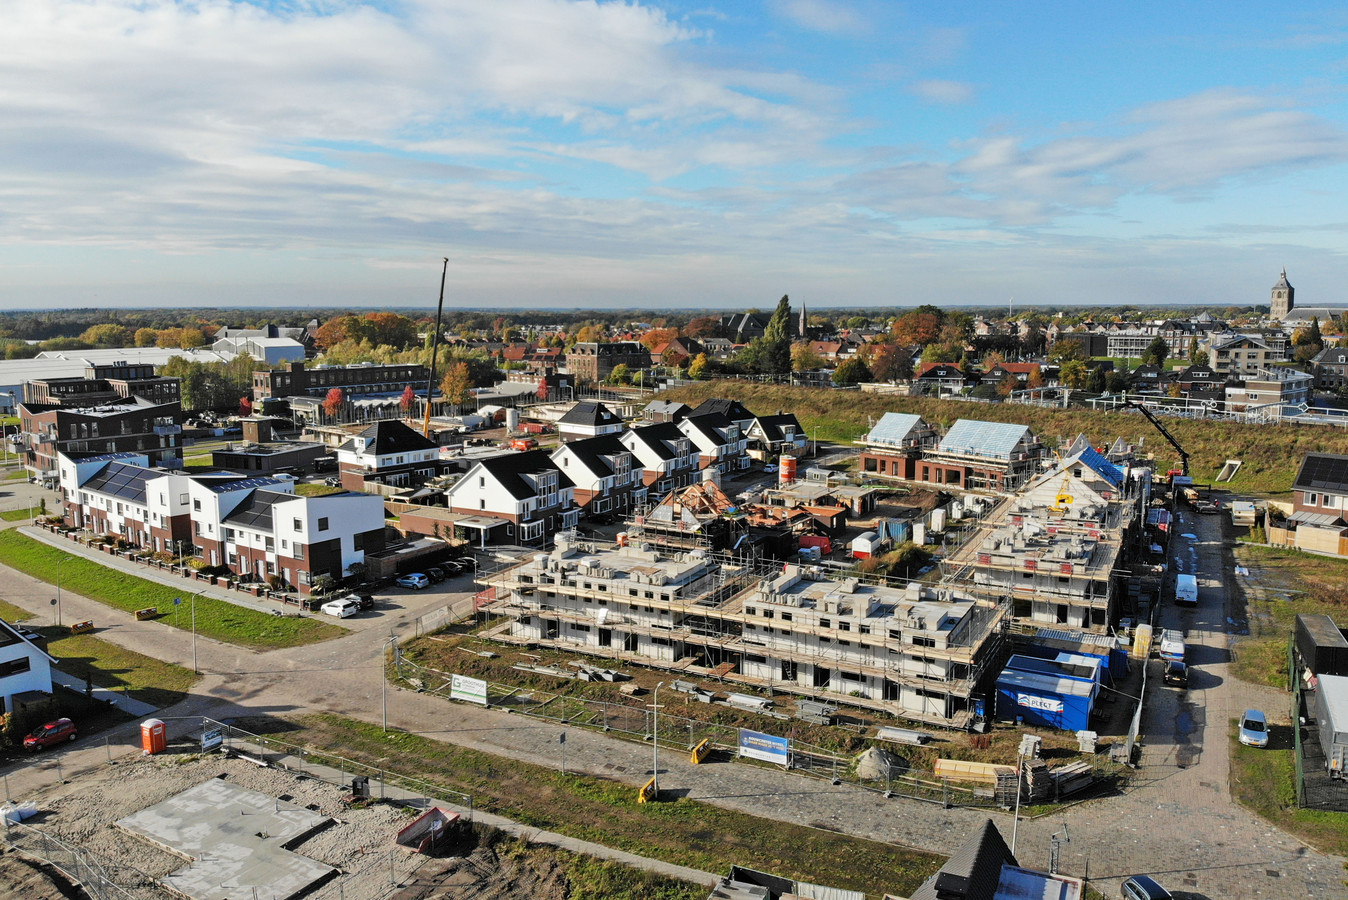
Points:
x=733 y=410
x=590 y=413
x=1091 y=458
x=390 y=436
x=666 y=408
x=1323 y=472
x=894 y=428
x=996 y=439
x=509 y=468
x=592 y=453
x=975 y=870
x=660 y=437
x=712 y=426
x=774 y=427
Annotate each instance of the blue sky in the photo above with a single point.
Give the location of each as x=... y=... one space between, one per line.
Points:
x=657 y=155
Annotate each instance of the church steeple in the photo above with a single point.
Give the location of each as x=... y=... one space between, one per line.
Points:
x=1283 y=297
x=802 y=328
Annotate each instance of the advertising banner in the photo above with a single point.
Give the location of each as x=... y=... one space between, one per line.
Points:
x=766 y=747
x=474 y=690
x=1043 y=703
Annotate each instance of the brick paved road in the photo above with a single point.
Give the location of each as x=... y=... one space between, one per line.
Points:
x=1176 y=821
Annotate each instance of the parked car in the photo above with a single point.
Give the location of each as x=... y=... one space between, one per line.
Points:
x=415 y=580
x=52 y=733
x=1208 y=507
x=1254 y=728
x=342 y=607
x=436 y=574
x=366 y=601
x=770 y=468
x=1143 y=887
x=1176 y=673
x=332 y=481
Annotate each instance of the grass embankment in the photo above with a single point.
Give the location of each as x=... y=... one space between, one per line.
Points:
x=316 y=490
x=1290 y=583
x=684 y=832
x=216 y=619
x=1264 y=782
x=107 y=665
x=1271 y=453
x=19 y=515
x=513 y=859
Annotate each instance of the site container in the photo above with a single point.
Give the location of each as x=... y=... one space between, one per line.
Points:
x=1321 y=645
x=1330 y=704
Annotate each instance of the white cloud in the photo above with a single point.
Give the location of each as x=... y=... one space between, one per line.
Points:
x=826 y=16
x=947 y=92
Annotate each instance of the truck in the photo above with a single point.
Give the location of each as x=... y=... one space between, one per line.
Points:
x=1329 y=705
x=1186 y=590
x=1172 y=646
x=522 y=444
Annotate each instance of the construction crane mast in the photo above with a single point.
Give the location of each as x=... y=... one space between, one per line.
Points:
x=1151 y=417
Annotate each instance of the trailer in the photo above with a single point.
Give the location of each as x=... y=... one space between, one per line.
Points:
x=1331 y=718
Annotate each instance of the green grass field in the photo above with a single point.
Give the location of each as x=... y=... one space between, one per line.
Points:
x=216 y=619
x=1271 y=453
x=1263 y=781
x=150 y=680
x=316 y=490
x=20 y=515
x=685 y=832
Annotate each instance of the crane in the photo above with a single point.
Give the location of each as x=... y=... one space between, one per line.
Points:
x=1151 y=417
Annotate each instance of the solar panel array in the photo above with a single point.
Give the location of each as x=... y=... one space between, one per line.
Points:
x=122 y=480
x=893 y=428
x=994 y=439
x=255 y=512
x=240 y=484
x=1323 y=471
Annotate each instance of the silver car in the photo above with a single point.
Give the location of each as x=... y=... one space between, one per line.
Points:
x=1254 y=728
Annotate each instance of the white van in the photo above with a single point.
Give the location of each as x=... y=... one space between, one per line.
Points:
x=1186 y=590
x=1172 y=646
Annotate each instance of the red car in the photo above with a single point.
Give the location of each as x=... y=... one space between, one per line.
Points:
x=50 y=734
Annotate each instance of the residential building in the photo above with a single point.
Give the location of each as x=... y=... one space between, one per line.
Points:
x=733 y=410
x=607 y=477
x=919 y=652
x=362 y=379
x=668 y=457
x=719 y=442
x=270 y=350
x=132 y=424
x=1276 y=386
x=941 y=378
x=1320 y=505
x=1330 y=367
x=1056 y=548
x=388 y=453
x=770 y=436
x=974 y=455
x=587 y=419
x=104 y=384
x=527 y=494
x=742 y=327
x=1239 y=355
x=665 y=411
x=592 y=362
x=255 y=527
x=25 y=669
x=895 y=444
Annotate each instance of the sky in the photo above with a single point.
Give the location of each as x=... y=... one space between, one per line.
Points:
x=659 y=155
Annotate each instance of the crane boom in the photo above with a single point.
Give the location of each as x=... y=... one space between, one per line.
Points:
x=1151 y=417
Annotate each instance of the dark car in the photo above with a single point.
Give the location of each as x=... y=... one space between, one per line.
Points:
x=366 y=600
x=1176 y=673
x=436 y=574
x=332 y=481
x=52 y=733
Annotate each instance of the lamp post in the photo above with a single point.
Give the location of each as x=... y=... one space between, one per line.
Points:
x=1015 y=823
x=655 y=742
x=59 y=574
x=383 y=680
x=194 y=634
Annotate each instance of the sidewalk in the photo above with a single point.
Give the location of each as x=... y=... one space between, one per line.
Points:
x=188 y=586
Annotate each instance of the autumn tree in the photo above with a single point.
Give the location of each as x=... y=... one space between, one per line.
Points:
x=701 y=327
x=657 y=336
x=146 y=337
x=332 y=403
x=851 y=371
x=408 y=397
x=333 y=332
x=804 y=359
x=107 y=335
x=698 y=367
x=919 y=326
x=185 y=338
x=455 y=387
x=1074 y=373
x=245 y=406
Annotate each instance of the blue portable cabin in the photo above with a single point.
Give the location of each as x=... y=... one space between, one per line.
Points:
x=1073 y=666
x=1047 y=700
x=1105 y=645
x=1071 y=662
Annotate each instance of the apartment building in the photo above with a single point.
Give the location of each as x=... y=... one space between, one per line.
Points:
x=105 y=383
x=133 y=424
x=256 y=527
x=592 y=362
x=975 y=455
x=1057 y=548
x=526 y=495
x=1330 y=367
x=1241 y=355
x=919 y=652
x=719 y=442
x=360 y=379
x=606 y=476
x=1277 y=386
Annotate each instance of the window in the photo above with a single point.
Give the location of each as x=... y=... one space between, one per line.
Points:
x=825 y=623
x=1312 y=499
x=15 y=666
x=323 y=524
x=196 y=505
x=298 y=524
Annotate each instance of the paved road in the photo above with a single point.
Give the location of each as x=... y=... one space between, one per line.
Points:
x=1176 y=821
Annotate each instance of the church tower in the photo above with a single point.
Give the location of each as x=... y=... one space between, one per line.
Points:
x=802 y=328
x=1284 y=297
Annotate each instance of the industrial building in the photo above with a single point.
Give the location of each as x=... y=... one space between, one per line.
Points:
x=919 y=652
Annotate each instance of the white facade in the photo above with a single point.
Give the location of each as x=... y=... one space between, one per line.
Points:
x=23 y=667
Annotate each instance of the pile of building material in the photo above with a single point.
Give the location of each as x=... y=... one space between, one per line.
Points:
x=1007 y=788
x=1087 y=741
x=1073 y=777
x=875 y=764
x=964 y=770
x=1039 y=784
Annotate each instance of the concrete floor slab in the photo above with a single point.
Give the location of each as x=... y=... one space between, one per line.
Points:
x=235 y=839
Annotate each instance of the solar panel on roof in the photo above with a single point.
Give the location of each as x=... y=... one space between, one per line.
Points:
x=971 y=436
x=893 y=428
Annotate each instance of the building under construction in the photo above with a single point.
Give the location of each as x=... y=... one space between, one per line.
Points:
x=918 y=652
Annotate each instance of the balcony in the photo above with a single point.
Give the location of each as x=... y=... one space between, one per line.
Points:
x=165 y=430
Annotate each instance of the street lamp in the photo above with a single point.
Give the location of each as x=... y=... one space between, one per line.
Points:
x=655 y=742
x=59 y=574
x=194 y=634
x=383 y=679
x=1015 y=823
